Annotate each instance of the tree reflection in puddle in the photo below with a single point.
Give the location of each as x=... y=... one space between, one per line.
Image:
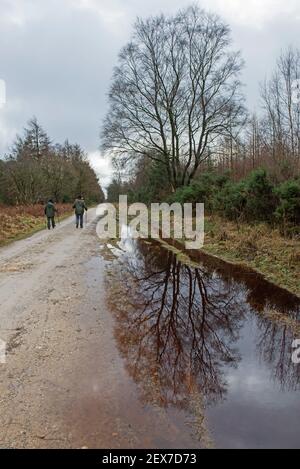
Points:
x=179 y=329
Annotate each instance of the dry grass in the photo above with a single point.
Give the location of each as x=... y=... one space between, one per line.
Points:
x=259 y=247
x=20 y=221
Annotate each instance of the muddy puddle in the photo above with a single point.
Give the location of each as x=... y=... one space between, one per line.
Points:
x=209 y=344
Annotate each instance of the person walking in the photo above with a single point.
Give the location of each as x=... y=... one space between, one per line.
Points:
x=79 y=207
x=50 y=211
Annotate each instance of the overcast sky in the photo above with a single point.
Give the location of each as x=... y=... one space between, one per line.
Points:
x=57 y=56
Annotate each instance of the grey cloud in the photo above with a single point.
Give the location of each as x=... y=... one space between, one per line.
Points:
x=57 y=58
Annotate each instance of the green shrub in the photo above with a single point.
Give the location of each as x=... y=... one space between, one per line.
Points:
x=288 y=210
x=254 y=199
x=231 y=201
x=261 y=201
x=250 y=200
x=200 y=190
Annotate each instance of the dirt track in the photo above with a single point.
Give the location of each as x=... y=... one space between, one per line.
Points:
x=64 y=384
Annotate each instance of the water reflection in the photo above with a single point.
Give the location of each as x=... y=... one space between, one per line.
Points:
x=274 y=345
x=181 y=328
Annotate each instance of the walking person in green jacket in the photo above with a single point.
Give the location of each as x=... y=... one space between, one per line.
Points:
x=50 y=211
x=79 y=207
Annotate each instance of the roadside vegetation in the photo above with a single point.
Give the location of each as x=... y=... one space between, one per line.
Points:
x=20 y=221
x=258 y=246
x=254 y=222
x=178 y=131
x=35 y=170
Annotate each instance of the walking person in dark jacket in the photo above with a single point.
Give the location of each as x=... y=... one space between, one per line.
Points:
x=79 y=207
x=50 y=211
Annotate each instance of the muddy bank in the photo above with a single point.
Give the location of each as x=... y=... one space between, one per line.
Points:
x=254 y=281
x=259 y=247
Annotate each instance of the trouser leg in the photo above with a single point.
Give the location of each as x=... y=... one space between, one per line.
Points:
x=49 y=223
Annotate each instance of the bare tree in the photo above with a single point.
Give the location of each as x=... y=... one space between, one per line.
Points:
x=35 y=144
x=282 y=113
x=175 y=93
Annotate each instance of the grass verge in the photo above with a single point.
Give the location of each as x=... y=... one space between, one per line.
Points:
x=259 y=247
x=20 y=222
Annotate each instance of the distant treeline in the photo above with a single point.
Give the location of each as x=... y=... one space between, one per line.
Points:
x=37 y=169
